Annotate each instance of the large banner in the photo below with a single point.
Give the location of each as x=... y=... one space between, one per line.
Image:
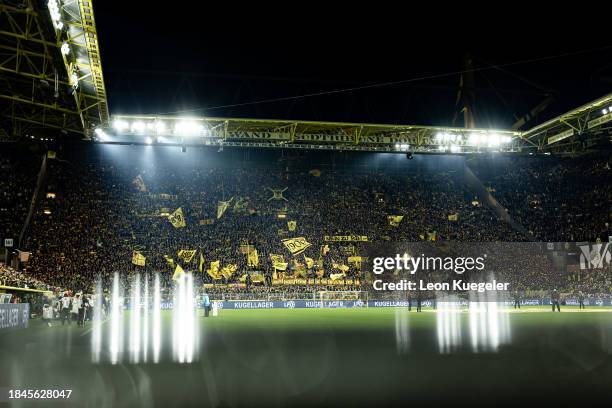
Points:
x=291 y=304
x=296 y=245
x=340 y=304
x=14 y=315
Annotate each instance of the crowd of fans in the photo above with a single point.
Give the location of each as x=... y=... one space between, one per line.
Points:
x=97 y=215
x=18 y=174
x=14 y=278
x=555 y=199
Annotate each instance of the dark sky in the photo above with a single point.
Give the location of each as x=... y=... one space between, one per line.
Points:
x=163 y=59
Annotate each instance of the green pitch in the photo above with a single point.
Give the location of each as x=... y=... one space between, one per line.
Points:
x=328 y=357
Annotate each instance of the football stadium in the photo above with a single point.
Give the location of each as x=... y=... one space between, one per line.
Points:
x=163 y=248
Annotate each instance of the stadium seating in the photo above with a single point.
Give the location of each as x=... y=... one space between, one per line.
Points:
x=105 y=206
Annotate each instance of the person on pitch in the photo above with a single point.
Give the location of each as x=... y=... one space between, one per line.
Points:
x=581 y=300
x=517 y=299
x=206 y=304
x=554 y=299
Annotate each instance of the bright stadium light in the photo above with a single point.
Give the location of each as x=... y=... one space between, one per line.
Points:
x=120 y=125
x=188 y=128
x=455 y=149
x=148 y=140
x=65 y=48
x=74 y=79
x=506 y=139
x=473 y=139
x=160 y=127
x=100 y=133
x=604 y=111
x=56 y=15
x=138 y=127
x=494 y=140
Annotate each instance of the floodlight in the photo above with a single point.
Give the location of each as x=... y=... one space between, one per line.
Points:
x=120 y=125
x=494 y=139
x=55 y=13
x=187 y=128
x=148 y=140
x=160 y=127
x=65 y=48
x=138 y=127
x=473 y=139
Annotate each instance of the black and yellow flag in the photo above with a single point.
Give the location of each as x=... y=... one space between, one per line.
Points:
x=169 y=260
x=291 y=225
x=394 y=220
x=228 y=270
x=277 y=193
x=177 y=219
x=296 y=245
x=309 y=262
x=213 y=272
x=278 y=262
x=187 y=254
x=138 y=258
x=253 y=258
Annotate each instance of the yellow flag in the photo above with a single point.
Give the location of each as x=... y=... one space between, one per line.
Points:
x=177 y=219
x=342 y=267
x=201 y=266
x=309 y=262
x=431 y=236
x=394 y=220
x=336 y=276
x=178 y=272
x=222 y=206
x=253 y=258
x=186 y=254
x=291 y=225
x=228 y=270
x=138 y=258
x=453 y=217
x=278 y=262
x=214 y=270
x=296 y=245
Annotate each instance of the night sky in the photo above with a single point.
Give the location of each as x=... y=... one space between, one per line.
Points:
x=163 y=59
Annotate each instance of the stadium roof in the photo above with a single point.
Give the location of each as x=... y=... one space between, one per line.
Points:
x=52 y=75
x=50 y=68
